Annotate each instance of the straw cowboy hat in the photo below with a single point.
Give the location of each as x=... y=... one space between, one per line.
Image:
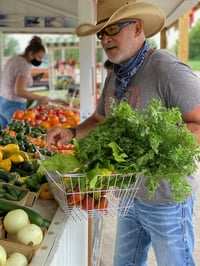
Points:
x=111 y=11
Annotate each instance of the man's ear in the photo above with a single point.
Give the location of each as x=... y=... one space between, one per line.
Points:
x=138 y=28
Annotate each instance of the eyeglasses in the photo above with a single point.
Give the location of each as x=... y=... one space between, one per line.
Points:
x=114 y=29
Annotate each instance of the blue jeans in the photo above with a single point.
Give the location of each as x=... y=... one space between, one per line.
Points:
x=7 y=108
x=168 y=228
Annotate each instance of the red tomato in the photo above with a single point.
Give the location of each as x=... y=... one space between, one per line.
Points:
x=101 y=204
x=62 y=118
x=26 y=119
x=59 y=112
x=87 y=203
x=50 y=111
x=32 y=123
x=41 y=117
x=41 y=107
x=34 y=110
x=37 y=122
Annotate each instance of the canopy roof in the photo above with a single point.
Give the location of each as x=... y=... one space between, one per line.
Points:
x=66 y=14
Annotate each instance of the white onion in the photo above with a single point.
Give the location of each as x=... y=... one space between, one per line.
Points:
x=3 y=256
x=16 y=259
x=15 y=220
x=30 y=234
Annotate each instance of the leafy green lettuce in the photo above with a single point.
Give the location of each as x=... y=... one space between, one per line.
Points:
x=153 y=143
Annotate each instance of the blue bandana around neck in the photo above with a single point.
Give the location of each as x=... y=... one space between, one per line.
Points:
x=126 y=72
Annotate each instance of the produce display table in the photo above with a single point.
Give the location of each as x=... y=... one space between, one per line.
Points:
x=66 y=241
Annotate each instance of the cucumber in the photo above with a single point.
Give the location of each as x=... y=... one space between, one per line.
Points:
x=9 y=196
x=7 y=177
x=34 y=217
x=2 y=213
x=19 y=171
x=4 y=175
x=18 y=183
x=14 y=192
x=22 y=194
x=2 y=190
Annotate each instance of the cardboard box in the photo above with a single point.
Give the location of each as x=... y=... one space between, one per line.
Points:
x=11 y=247
x=18 y=202
x=32 y=198
x=4 y=235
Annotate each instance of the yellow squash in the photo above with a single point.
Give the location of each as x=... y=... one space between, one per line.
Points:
x=6 y=164
x=16 y=158
x=45 y=192
x=10 y=148
x=1 y=155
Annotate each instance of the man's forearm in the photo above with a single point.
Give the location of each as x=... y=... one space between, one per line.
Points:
x=194 y=127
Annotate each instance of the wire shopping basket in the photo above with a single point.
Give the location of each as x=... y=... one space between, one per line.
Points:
x=78 y=201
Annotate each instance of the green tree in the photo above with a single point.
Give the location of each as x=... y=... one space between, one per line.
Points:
x=194 y=42
x=62 y=42
x=152 y=43
x=10 y=45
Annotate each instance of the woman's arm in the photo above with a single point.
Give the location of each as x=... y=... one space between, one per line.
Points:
x=21 y=91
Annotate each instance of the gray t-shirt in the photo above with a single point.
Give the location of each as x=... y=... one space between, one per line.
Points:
x=164 y=77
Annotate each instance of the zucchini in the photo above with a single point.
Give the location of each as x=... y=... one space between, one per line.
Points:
x=34 y=217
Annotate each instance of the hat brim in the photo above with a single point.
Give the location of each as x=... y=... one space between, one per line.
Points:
x=152 y=18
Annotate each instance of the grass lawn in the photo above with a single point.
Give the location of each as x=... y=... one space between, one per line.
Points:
x=195 y=65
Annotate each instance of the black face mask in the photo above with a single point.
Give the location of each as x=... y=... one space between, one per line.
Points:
x=35 y=62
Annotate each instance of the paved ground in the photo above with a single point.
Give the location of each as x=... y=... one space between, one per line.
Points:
x=107 y=248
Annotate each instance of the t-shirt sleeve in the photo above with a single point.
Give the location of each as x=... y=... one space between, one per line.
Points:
x=22 y=70
x=182 y=88
x=100 y=109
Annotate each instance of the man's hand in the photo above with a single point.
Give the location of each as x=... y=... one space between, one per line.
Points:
x=58 y=136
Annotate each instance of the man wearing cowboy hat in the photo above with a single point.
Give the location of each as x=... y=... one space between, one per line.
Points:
x=141 y=73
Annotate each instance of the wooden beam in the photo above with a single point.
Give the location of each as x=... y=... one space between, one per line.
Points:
x=183 y=44
x=196 y=7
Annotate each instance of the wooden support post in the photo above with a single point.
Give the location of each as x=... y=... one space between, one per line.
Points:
x=90 y=248
x=163 y=39
x=183 y=44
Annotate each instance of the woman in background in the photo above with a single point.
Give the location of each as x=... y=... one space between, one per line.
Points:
x=16 y=78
